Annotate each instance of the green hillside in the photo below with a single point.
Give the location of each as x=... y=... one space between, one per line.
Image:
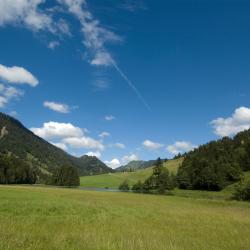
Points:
x=113 y=180
x=136 y=165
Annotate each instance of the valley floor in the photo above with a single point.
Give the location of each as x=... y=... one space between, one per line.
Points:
x=53 y=218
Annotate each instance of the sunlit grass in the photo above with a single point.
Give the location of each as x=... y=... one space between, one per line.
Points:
x=49 y=218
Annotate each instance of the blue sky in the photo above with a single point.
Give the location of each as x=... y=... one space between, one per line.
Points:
x=158 y=77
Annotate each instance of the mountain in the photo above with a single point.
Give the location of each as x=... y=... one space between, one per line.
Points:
x=17 y=140
x=93 y=165
x=135 y=165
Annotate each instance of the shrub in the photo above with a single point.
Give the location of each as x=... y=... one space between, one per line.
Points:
x=242 y=191
x=124 y=186
x=138 y=187
x=159 y=181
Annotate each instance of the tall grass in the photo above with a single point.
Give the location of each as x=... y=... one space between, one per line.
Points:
x=48 y=218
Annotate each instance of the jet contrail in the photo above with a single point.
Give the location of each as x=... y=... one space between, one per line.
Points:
x=132 y=86
x=95 y=37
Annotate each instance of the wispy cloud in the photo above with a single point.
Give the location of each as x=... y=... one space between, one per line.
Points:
x=101 y=83
x=8 y=93
x=128 y=158
x=13 y=113
x=104 y=134
x=53 y=44
x=30 y=14
x=95 y=38
x=150 y=145
x=58 y=107
x=120 y=145
x=109 y=117
x=132 y=5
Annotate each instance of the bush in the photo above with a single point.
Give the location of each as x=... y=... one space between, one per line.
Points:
x=160 y=181
x=242 y=191
x=173 y=181
x=138 y=187
x=124 y=186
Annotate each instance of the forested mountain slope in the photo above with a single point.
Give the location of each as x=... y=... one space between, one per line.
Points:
x=217 y=164
x=17 y=140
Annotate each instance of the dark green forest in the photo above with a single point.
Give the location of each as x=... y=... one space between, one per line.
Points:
x=216 y=164
x=16 y=171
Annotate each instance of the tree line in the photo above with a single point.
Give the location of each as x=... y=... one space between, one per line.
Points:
x=217 y=164
x=212 y=166
x=159 y=182
x=14 y=170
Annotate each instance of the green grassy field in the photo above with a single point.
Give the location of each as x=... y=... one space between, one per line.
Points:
x=113 y=180
x=57 y=218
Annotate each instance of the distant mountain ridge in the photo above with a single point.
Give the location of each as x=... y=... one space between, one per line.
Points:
x=17 y=140
x=135 y=165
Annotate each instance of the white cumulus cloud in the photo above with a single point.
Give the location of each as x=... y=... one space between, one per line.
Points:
x=239 y=121
x=83 y=142
x=17 y=75
x=180 y=147
x=52 y=130
x=67 y=135
x=152 y=145
x=114 y=163
x=96 y=154
x=60 y=145
x=128 y=158
x=58 y=107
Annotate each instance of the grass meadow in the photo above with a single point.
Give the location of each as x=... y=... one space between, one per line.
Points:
x=113 y=180
x=60 y=218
